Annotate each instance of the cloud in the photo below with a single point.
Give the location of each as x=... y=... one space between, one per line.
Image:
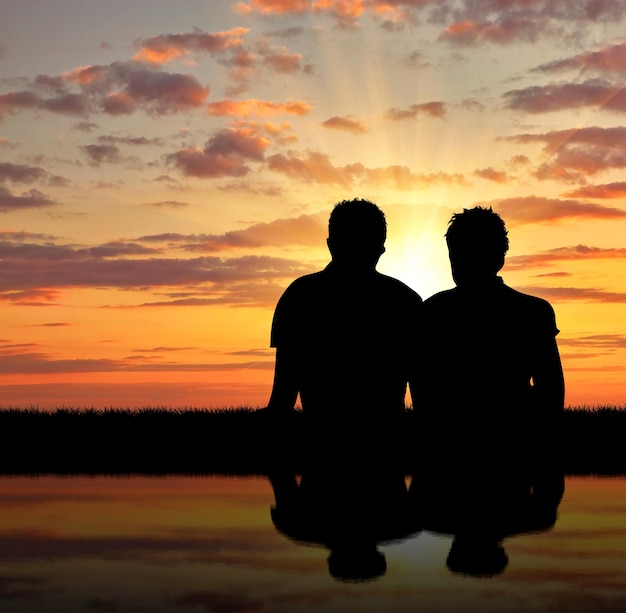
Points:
x=8 y=235
x=288 y=32
x=497 y=176
x=305 y=230
x=85 y=126
x=564 y=254
x=67 y=104
x=225 y=154
x=98 y=154
x=466 y=19
x=36 y=273
x=573 y=294
x=559 y=96
x=538 y=209
x=597 y=341
x=282 y=61
x=504 y=22
x=32 y=199
x=315 y=167
x=578 y=153
x=19 y=173
x=511 y=29
x=168 y=204
x=259 y=108
x=608 y=190
x=433 y=109
x=345 y=12
x=555 y=274
x=167 y=47
x=139 y=141
x=115 y=89
x=610 y=60
x=33 y=362
x=115 y=249
x=346 y=124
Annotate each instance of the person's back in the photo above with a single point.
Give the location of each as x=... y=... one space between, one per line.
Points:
x=349 y=336
x=345 y=335
x=492 y=375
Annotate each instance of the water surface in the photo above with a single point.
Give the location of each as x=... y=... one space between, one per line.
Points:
x=165 y=544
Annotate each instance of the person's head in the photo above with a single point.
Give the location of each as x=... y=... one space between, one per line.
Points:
x=477 y=243
x=356 y=564
x=475 y=557
x=357 y=230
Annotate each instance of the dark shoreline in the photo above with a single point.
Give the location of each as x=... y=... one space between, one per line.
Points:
x=231 y=441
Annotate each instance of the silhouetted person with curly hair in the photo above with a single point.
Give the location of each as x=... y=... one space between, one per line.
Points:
x=344 y=336
x=491 y=382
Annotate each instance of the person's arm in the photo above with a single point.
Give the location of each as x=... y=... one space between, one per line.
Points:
x=549 y=395
x=548 y=380
x=285 y=387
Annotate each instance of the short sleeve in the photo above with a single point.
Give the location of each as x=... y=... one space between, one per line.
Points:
x=282 y=322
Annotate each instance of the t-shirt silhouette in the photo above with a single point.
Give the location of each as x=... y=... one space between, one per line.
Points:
x=352 y=337
x=483 y=344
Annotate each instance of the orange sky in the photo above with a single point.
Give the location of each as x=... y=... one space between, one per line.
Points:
x=164 y=174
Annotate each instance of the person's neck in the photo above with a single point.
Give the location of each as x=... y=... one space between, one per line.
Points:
x=479 y=282
x=350 y=270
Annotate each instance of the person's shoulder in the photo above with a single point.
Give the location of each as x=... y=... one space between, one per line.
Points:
x=399 y=287
x=441 y=298
x=306 y=282
x=528 y=301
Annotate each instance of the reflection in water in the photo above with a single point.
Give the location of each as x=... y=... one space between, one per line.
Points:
x=481 y=509
x=348 y=509
x=190 y=544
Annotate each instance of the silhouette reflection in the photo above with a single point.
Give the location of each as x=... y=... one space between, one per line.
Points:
x=482 y=506
x=347 y=504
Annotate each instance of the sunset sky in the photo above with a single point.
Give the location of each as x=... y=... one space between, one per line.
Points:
x=167 y=168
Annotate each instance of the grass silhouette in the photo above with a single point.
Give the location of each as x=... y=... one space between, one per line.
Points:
x=237 y=440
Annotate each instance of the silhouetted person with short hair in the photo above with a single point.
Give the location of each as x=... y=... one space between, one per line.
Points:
x=491 y=383
x=344 y=336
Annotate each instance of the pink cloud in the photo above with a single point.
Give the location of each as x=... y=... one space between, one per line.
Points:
x=166 y=47
x=284 y=62
x=497 y=176
x=19 y=173
x=259 y=108
x=537 y=209
x=609 y=59
x=557 y=97
x=510 y=29
x=465 y=22
x=564 y=254
x=315 y=167
x=32 y=199
x=35 y=274
x=168 y=204
x=571 y=294
x=578 y=153
x=597 y=341
x=346 y=124
x=609 y=190
x=273 y=6
x=99 y=154
x=433 y=109
x=226 y=154
x=115 y=89
x=305 y=230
